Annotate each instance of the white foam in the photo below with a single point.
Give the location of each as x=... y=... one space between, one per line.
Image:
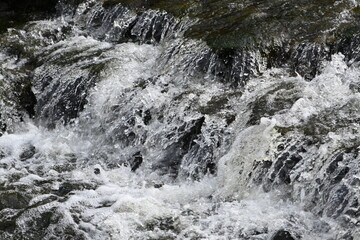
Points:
x=126 y=204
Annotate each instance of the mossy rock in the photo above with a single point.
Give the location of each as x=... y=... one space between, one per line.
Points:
x=229 y=24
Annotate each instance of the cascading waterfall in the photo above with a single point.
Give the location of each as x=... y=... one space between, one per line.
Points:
x=116 y=125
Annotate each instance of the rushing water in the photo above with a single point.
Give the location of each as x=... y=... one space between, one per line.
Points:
x=117 y=126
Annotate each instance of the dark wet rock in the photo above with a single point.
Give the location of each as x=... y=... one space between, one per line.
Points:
x=227 y=24
x=13 y=200
x=169 y=224
x=123 y=135
x=2 y=127
x=338 y=197
x=236 y=67
x=347 y=236
x=44 y=220
x=136 y=161
x=100 y=21
x=280 y=98
x=46 y=200
x=97 y=171
x=334 y=164
x=198 y=162
x=144 y=26
x=321 y=124
x=60 y=103
x=8 y=218
x=293 y=160
x=282 y=167
x=350 y=47
x=107 y=203
x=233 y=66
x=147 y=117
x=230 y=118
x=260 y=171
x=66 y=107
x=27 y=99
x=239 y=33
x=187 y=139
x=307 y=58
x=216 y=104
x=174 y=154
x=68 y=187
x=65 y=189
x=64 y=167
x=27 y=153
x=355 y=181
x=150 y=27
x=341 y=173
x=18 y=95
x=282 y=235
x=2 y=153
x=66 y=164
x=40 y=222
x=158 y=185
x=330 y=194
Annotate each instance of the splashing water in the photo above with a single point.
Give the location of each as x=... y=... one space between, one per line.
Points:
x=131 y=141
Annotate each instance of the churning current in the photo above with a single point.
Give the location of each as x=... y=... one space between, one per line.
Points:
x=116 y=123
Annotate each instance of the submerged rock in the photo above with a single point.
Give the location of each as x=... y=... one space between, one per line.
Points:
x=27 y=153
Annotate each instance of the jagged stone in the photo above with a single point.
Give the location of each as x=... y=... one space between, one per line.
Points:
x=136 y=162
x=188 y=133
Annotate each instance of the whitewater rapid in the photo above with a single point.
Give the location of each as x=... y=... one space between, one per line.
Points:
x=153 y=149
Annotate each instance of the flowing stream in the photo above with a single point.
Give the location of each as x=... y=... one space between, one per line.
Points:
x=115 y=124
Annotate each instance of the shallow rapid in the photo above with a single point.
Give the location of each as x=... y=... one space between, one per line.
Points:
x=114 y=125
